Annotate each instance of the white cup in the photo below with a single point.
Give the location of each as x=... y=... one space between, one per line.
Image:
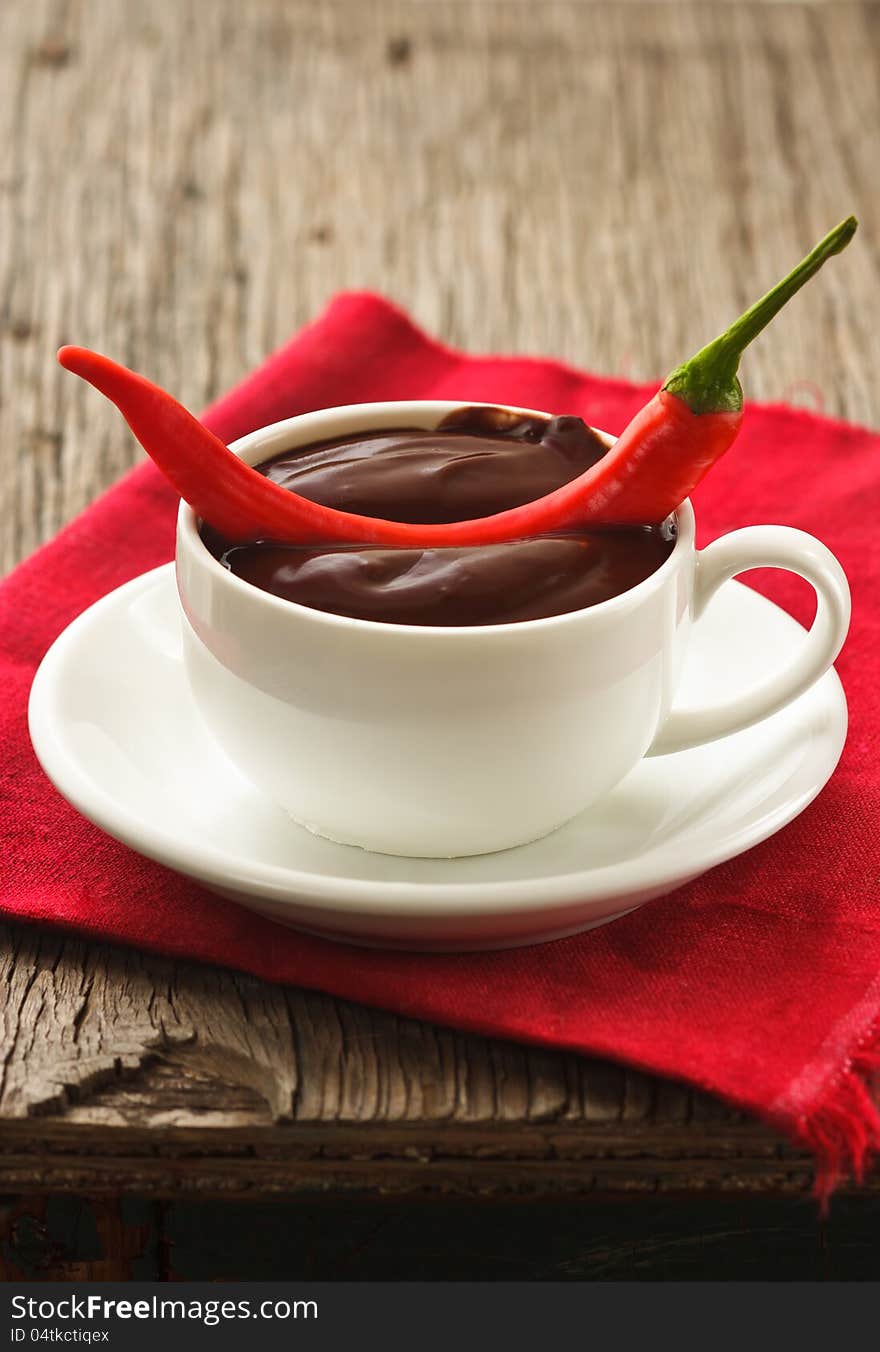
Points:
x=440 y=742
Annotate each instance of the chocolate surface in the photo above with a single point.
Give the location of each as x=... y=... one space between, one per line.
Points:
x=479 y=461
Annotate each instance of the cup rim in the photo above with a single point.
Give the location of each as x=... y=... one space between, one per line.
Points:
x=313 y=424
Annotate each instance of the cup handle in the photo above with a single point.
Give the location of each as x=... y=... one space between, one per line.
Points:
x=764 y=547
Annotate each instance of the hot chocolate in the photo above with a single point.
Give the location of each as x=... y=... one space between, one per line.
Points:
x=479 y=461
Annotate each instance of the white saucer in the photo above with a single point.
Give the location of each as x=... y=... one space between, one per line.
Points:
x=115 y=729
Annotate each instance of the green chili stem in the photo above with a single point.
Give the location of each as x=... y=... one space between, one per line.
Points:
x=708 y=382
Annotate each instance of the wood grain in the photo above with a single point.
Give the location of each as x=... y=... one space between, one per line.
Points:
x=119 y=1069
x=182 y=185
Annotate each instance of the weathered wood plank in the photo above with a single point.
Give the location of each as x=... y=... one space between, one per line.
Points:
x=182 y=185
x=120 y=1070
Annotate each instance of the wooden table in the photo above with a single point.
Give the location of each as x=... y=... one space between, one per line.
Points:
x=185 y=183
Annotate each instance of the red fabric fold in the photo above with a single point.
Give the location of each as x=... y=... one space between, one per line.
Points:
x=759 y=982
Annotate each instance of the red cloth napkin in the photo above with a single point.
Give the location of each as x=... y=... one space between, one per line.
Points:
x=759 y=982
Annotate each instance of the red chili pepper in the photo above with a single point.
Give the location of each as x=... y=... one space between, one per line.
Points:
x=653 y=466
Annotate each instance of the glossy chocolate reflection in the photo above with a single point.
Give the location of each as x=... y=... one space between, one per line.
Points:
x=478 y=462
